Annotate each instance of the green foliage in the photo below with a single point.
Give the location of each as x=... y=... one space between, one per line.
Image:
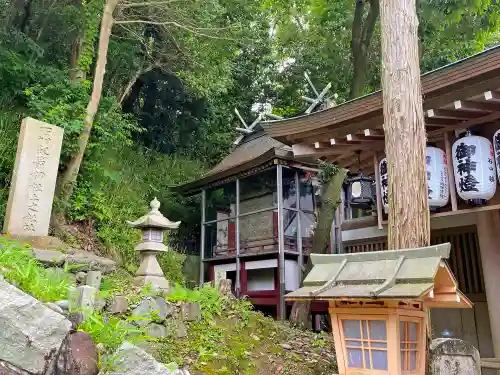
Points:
x=172 y=263
x=20 y=268
x=327 y=171
x=231 y=338
x=111 y=330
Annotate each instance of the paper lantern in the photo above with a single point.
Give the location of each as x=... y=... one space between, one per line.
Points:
x=384 y=184
x=474 y=168
x=437 y=177
x=496 y=148
x=360 y=192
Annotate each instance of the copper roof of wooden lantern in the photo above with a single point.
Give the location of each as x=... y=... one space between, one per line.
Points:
x=460 y=95
x=420 y=274
x=154 y=219
x=254 y=151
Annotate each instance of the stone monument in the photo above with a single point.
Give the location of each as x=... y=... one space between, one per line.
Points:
x=152 y=225
x=33 y=179
x=453 y=357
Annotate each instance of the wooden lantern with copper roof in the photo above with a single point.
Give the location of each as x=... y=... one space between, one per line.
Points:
x=378 y=302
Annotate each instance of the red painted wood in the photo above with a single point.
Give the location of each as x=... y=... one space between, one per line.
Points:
x=265 y=301
x=231 y=234
x=275 y=224
x=319 y=307
x=243 y=278
x=211 y=273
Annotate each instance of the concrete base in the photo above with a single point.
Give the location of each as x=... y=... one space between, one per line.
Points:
x=158 y=283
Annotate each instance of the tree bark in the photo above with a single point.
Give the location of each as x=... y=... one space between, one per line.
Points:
x=405 y=136
x=69 y=176
x=362 y=33
x=301 y=311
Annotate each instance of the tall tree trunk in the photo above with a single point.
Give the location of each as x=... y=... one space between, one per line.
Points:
x=361 y=37
x=404 y=127
x=69 y=176
x=301 y=311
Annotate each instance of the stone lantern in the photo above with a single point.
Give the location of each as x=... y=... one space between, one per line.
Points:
x=378 y=305
x=152 y=226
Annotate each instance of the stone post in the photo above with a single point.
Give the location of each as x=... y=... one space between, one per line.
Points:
x=453 y=357
x=33 y=179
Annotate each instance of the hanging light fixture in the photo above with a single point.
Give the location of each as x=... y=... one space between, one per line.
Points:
x=360 y=189
x=474 y=169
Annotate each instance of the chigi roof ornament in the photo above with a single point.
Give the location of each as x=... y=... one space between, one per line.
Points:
x=249 y=129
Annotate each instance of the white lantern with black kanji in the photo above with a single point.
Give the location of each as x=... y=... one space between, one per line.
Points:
x=437 y=177
x=496 y=148
x=384 y=184
x=474 y=169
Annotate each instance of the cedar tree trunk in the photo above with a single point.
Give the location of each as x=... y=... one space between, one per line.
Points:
x=404 y=127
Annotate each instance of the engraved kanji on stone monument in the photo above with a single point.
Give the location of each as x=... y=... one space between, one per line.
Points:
x=34 y=179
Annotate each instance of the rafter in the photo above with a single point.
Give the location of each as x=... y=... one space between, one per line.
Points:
x=492 y=95
x=450 y=113
x=476 y=106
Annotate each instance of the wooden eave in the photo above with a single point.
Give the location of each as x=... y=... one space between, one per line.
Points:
x=251 y=167
x=464 y=94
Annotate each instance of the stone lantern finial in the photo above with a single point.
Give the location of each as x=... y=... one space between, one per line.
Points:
x=152 y=225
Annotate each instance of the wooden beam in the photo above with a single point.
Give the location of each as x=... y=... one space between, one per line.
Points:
x=476 y=106
x=466 y=124
x=307 y=150
x=439 y=121
x=374 y=133
x=492 y=95
x=326 y=133
x=352 y=137
x=449 y=168
x=450 y=113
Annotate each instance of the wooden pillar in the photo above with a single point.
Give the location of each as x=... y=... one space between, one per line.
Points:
x=488 y=227
x=202 y=240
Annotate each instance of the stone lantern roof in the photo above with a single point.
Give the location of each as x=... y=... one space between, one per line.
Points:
x=154 y=219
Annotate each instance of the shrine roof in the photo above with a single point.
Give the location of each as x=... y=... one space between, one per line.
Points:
x=254 y=151
x=460 y=95
x=391 y=274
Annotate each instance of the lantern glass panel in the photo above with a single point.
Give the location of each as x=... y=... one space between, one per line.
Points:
x=366 y=343
x=156 y=235
x=409 y=336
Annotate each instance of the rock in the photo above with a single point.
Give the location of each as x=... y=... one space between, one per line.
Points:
x=49 y=257
x=8 y=369
x=85 y=298
x=63 y=304
x=286 y=346
x=131 y=360
x=30 y=333
x=88 y=261
x=54 y=307
x=99 y=303
x=76 y=318
x=158 y=331
x=78 y=355
x=80 y=277
x=164 y=308
x=150 y=309
x=224 y=288
x=119 y=305
x=181 y=330
x=190 y=311
x=94 y=279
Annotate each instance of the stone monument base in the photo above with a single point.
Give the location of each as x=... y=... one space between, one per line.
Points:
x=158 y=283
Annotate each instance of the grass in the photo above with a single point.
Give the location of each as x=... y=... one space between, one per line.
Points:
x=20 y=268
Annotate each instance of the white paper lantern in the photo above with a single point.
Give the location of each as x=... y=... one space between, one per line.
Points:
x=437 y=177
x=474 y=168
x=496 y=148
x=384 y=183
